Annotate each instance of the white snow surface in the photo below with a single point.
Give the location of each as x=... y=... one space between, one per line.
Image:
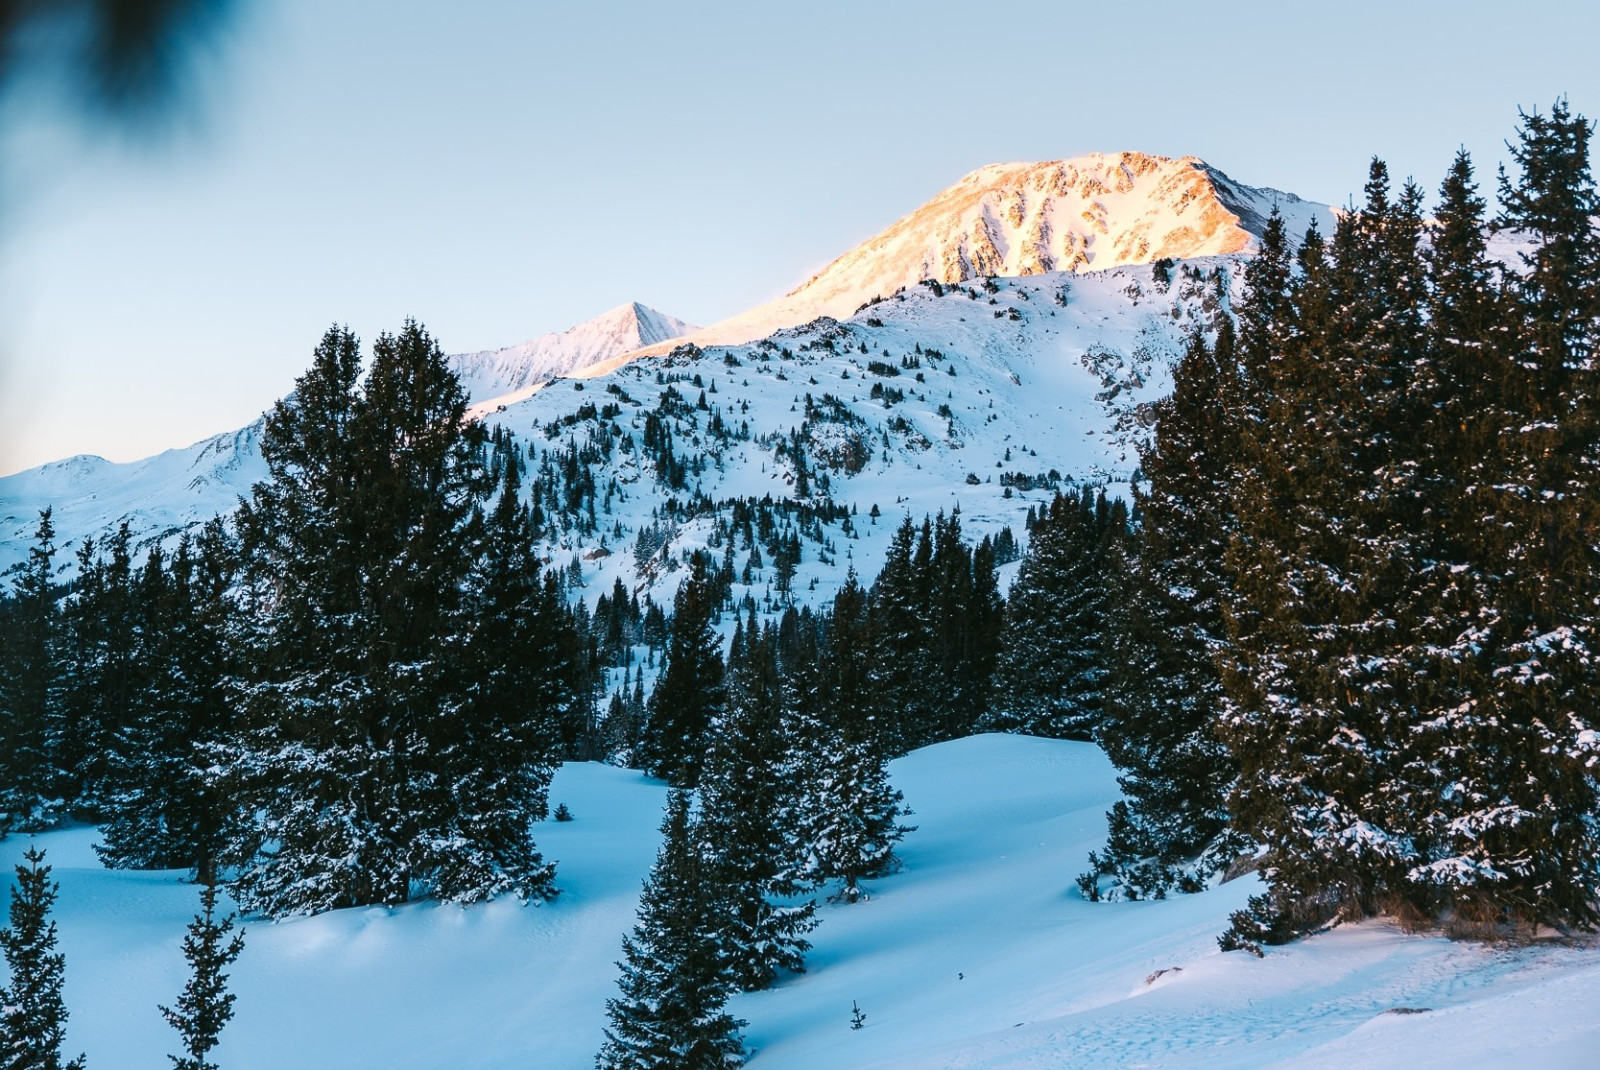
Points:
x=978 y=955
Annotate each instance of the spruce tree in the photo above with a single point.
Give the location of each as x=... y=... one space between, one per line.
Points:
x=690 y=695
x=167 y=804
x=206 y=1005
x=669 y=1012
x=854 y=813
x=375 y=763
x=1319 y=607
x=752 y=820
x=1164 y=690
x=33 y=1016
x=31 y=715
x=1052 y=665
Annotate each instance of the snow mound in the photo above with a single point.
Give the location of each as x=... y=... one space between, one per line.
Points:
x=976 y=955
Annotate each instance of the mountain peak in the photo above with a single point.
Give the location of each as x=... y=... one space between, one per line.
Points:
x=1087 y=213
x=498 y=377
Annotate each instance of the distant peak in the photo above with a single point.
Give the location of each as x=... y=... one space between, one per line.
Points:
x=1090 y=212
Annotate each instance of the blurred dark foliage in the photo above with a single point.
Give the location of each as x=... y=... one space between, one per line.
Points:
x=124 y=59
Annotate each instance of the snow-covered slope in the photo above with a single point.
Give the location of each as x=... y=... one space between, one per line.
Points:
x=977 y=955
x=162 y=496
x=926 y=401
x=1083 y=214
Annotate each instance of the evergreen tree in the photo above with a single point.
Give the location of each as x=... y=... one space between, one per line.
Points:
x=1320 y=611
x=669 y=1012
x=752 y=818
x=206 y=1005
x=33 y=1016
x=104 y=675
x=1516 y=841
x=374 y=764
x=690 y=695
x=31 y=692
x=166 y=803
x=1052 y=664
x=1164 y=690
x=854 y=816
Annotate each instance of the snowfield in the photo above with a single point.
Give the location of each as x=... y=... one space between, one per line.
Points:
x=978 y=955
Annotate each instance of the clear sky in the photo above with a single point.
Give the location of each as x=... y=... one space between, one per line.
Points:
x=502 y=169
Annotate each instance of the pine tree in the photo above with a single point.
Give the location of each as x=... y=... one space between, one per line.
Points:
x=166 y=803
x=752 y=820
x=31 y=692
x=690 y=695
x=901 y=646
x=854 y=813
x=33 y=1016
x=1164 y=691
x=374 y=762
x=669 y=1012
x=1521 y=844
x=1052 y=666
x=104 y=676
x=1320 y=607
x=206 y=1005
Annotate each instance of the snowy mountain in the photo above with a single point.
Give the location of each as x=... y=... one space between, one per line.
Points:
x=501 y=376
x=1024 y=357
x=162 y=496
x=1088 y=213
x=975 y=955
x=985 y=397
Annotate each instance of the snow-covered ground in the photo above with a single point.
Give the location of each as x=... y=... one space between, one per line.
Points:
x=978 y=955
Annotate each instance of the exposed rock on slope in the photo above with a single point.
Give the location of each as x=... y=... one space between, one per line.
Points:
x=1084 y=214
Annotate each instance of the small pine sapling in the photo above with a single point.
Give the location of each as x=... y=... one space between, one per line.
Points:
x=206 y=1005
x=33 y=1015
x=858 y=1018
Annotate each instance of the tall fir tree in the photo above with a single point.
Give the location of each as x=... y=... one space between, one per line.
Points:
x=669 y=1013
x=359 y=550
x=752 y=819
x=1052 y=665
x=166 y=805
x=31 y=714
x=691 y=695
x=854 y=818
x=1164 y=690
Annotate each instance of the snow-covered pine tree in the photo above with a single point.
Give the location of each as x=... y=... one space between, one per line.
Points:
x=30 y=691
x=854 y=812
x=33 y=1016
x=1163 y=694
x=205 y=1005
x=901 y=646
x=690 y=694
x=103 y=675
x=166 y=803
x=1522 y=845
x=359 y=552
x=1319 y=612
x=669 y=1013
x=518 y=684
x=752 y=821
x=1052 y=663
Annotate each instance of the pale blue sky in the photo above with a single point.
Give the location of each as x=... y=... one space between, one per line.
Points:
x=499 y=170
